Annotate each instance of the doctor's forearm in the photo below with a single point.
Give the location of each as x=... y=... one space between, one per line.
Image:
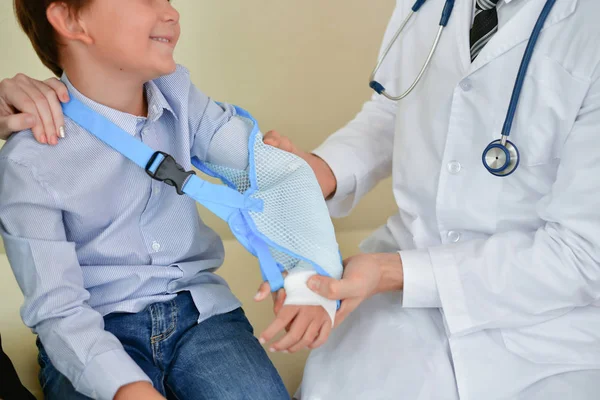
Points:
x=324 y=174
x=392 y=274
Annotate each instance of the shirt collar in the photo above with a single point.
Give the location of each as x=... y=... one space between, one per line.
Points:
x=157 y=103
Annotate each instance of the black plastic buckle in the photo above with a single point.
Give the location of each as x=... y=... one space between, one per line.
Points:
x=169 y=172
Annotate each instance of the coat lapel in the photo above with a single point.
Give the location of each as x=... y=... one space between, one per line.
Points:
x=519 y=29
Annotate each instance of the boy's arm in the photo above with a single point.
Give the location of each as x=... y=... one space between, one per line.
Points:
x=206 y=118
x=47 y=269
x=218 y=138
x=223 y=140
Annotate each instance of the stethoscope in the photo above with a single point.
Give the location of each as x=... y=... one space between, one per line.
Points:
x=500 y=157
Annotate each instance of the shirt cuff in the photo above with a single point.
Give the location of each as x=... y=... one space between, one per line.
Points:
x=338 y=162
x=107 y=372
x=420 y=287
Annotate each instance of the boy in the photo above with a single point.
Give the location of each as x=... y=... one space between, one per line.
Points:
x=116 y=268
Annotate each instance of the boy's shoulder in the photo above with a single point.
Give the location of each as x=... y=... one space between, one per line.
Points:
x=21 y=157
x=71 y=153
x=22 y=148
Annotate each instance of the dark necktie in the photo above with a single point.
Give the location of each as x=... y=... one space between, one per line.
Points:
x=485 y=25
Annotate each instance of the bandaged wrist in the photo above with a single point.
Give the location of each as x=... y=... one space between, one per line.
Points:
x=298 y=293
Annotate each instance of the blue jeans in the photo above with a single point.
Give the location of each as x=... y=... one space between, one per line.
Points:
x=217 y=359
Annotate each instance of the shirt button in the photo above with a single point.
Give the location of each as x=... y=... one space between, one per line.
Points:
x=454 y=167
x=453 y=236
x=466 y=85
x=155 y=246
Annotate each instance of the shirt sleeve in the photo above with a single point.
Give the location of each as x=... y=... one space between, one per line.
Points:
x=360 y=153
x=521 y=278
x=420 y=288
x=47 y=270
x=219 y=137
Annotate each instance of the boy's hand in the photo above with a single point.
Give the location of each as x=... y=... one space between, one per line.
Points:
x=138 y=390
x=324 y=174
x=278 y=297
x=306 y=326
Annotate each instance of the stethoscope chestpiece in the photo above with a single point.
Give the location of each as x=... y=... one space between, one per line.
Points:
x=501 y=159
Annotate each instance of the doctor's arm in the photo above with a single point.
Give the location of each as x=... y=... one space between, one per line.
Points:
x=47 y=270
x=514 y=278
x=26 y=103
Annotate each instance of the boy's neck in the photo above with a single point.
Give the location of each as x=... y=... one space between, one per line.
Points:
x=117 y=90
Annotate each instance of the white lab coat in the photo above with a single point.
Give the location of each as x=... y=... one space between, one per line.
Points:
x=502 y=275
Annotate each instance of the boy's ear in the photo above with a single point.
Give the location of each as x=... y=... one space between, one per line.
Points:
x=67 y=23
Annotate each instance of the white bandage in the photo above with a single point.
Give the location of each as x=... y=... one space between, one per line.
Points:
x=298 y=293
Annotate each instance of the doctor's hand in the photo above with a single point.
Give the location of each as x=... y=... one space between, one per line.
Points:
x=365 y=275
x=324 y=174
x=26 y=103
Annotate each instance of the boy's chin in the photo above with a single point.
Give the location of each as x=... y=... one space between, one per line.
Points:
x=170 y=68
x=162 y=70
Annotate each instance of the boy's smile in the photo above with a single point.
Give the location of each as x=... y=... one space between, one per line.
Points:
x=169 y=40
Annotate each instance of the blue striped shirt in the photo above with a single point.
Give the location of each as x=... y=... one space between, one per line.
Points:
x=88 y=233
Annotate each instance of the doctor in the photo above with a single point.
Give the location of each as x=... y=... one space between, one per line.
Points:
x=486 y=283
x=481 y=287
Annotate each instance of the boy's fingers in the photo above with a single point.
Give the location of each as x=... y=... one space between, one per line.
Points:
x=263 y=292
x=279 y=300
x=283 y=319
x=295 y=333
x=323 y=335
x=309 y=337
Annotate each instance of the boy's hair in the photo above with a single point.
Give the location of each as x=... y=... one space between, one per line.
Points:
x=31 y=15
